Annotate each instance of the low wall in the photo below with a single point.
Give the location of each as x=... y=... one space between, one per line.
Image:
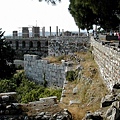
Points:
x=42 y=71
x=108 y=61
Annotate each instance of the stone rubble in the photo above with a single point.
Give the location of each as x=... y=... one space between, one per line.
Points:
x=11 y=110
x=109 y=108
x=66 y=45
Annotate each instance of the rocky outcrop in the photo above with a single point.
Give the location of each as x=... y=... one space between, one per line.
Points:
x=109 y=108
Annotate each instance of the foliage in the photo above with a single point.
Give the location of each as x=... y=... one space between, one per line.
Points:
x=86 y=13
x=89 y=12
x=19 y=67
x=51 y=1
x=7 y=86
x=27 y=91
x=70 y=76
x=7 y=68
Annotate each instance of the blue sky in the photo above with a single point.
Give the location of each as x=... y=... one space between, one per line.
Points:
x=26 y=13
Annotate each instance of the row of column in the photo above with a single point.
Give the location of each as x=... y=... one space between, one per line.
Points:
x=36 y=32
x=58 y=32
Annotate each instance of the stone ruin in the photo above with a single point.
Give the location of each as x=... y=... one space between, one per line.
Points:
x=109 y=107
x=41 y=70
x=10 y=109
x=65 y=45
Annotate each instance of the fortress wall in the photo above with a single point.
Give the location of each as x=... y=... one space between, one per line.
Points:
x=41 y=70
x=108 y=61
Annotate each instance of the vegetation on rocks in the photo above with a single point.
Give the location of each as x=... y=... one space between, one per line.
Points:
x=27 y=90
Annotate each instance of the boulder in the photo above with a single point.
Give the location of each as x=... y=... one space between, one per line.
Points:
x=107 y=100
x=116 y=89
x=112 y=113
x=92 y=116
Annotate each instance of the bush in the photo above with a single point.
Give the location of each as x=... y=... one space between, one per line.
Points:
x=70 y=76
x=27 y=91
x=7 y=86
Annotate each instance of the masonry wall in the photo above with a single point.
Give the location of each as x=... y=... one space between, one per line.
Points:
x=65 y=45
x=108 y=61
x=41 y=70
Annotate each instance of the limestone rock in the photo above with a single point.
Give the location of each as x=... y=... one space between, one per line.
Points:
x=107 y=100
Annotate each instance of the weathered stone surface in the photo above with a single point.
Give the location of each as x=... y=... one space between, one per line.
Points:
x=108 y=61
x=107 y=100
x=14 y=111
x=110 y=108
x=92 y=116
x=112 y=113
x=40 y=70
x=116 y=89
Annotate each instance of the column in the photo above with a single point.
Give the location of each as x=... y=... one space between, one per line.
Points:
x=43 y=31
x=50 y=31
x=62 y=32
x=56 y=30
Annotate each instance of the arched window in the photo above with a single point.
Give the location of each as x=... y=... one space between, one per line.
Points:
x=17 y=45
x=23 y=44
x=30 y=44
x=38 y=44
x=46 y=43
x=10 y=42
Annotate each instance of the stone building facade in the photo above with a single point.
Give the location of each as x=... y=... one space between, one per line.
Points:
x=23 y=46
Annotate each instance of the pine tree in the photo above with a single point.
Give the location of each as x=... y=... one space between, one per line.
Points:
x=7 y=67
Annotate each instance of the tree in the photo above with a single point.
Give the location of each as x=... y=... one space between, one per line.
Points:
x=99 y=12
x=89 y=12
x=6 y=58
x=51 y=1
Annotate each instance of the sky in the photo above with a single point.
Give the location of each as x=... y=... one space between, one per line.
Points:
x=16 y=14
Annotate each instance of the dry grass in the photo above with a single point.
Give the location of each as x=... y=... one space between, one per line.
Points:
x=90 y=87
x=90 y=91
x=56 y=60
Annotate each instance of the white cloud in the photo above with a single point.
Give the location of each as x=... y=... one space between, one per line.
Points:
x=21 y=13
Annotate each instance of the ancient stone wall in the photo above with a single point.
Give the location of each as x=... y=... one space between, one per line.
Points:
x=42 y=71
x=65 y=45
x=108 y=61
x=22 y=46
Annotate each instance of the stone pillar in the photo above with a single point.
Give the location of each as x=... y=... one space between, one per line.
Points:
x=15 y=34
x=59 y=32
x=56 y=30
x=62 y=32
x=50 y=31
x=78 y=32
x=43 y=31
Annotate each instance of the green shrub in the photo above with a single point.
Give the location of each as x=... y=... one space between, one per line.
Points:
x=27 y=91
x=7 y=86
x=19 y=67
x=70 y=76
